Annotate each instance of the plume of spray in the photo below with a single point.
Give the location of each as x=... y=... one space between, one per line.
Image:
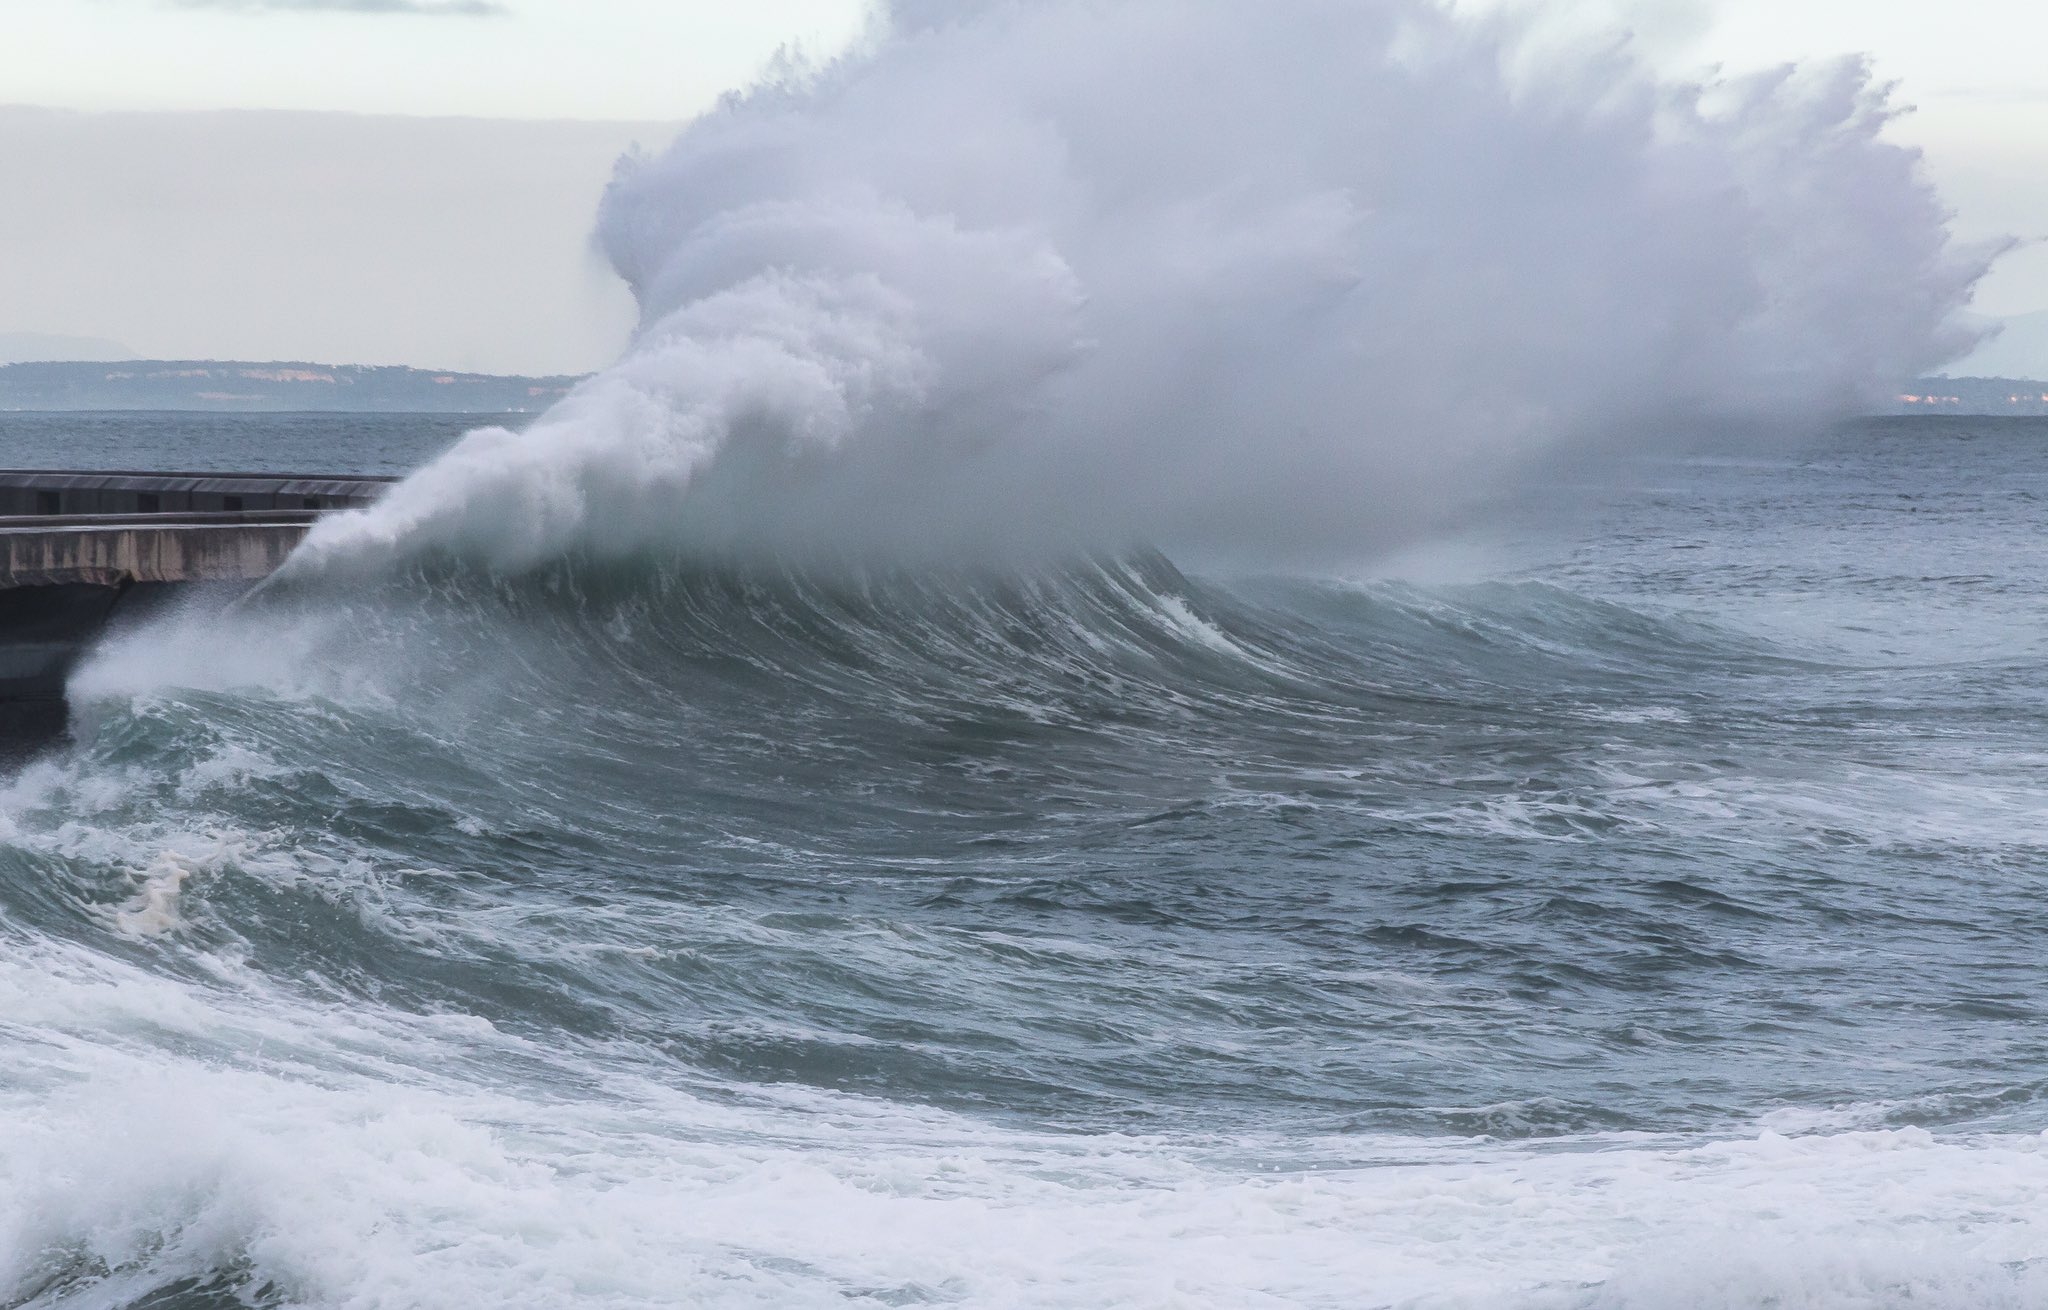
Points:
x=1278 y=280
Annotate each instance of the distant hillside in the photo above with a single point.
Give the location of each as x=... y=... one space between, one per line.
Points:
x=240 y=385
x=1973 y=396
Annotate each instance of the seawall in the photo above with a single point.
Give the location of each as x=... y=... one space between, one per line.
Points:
x=81 y=549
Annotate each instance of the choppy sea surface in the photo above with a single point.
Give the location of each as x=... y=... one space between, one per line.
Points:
x=1644 y=908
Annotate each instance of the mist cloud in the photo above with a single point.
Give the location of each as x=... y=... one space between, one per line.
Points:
x=1287 y=281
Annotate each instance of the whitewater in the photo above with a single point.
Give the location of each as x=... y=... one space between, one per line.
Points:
x=1199 y=657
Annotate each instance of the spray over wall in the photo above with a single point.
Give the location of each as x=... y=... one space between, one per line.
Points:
x=1282 y=280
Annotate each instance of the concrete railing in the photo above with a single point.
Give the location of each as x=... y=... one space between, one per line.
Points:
x=113 y=528
x=80 y=549
x=116 y=552
x=46 y=493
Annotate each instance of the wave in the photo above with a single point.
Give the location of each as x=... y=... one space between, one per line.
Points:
x=1113 y=640
x=628 y=929
x=1519 y=706
x=374 y=785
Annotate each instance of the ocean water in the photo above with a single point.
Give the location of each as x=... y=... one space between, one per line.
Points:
x=1637 y=903
x=185 y=440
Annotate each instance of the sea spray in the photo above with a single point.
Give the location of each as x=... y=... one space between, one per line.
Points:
x=1291 y=279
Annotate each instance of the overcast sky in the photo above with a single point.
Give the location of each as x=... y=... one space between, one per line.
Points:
x=413 y=181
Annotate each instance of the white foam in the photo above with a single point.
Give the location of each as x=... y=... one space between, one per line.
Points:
x=409 y=1196
x=165 y=1129
x=154 y=909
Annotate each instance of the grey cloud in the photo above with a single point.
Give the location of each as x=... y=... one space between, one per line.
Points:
x=458 y=8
